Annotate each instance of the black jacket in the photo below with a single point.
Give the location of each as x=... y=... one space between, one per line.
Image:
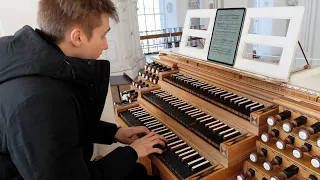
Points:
x=50 y=108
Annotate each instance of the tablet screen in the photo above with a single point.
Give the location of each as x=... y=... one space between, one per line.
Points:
x=226 y=35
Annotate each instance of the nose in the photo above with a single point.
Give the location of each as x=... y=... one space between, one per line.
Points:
x=105 y=46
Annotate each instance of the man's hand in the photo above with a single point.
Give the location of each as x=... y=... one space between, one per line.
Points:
x=144 y=145
x=128 y=135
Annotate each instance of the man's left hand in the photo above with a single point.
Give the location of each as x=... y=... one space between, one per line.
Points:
x=128 y=135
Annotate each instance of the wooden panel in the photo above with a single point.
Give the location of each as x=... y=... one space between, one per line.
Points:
x=300 y=106
x=164 y=62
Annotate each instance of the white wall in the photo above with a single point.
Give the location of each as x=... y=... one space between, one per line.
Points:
x=316 y=47
x=170 y=18
x=182 y=9
x=14 y=14
x=234 y=3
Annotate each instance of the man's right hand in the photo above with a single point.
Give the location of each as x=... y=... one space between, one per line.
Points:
x=144 y=145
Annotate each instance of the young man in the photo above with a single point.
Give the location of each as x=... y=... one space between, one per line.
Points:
x=52 y=93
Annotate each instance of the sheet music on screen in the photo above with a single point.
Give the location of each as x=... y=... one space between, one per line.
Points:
x=226 y=35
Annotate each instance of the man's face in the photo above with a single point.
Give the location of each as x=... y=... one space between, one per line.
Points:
x=93 y=48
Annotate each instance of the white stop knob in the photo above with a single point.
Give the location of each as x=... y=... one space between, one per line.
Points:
x=303 y=135
x=286 y=127
x=266 y=166
x=280 y=145
x=239 y=177
x=315 y=163
x=253 y=158
x=296 y=154
x=271 y=121
x=264 y=138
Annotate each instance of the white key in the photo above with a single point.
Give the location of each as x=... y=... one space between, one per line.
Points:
x=195 y=161
x=169 y=98
x=187 y=112
x=195 y=83
x=185 y=153
x=181 y=150
x=163 y=96
x=218 y=128
x=211 y=123
x=176 y=102
x=239 y=100
x=145 y=118
x=172 y=138
x=152 y=123
x=205 y=86
x=260 y=105
x=229 y=96
x=179 y=145
x=199 y=165
x=160 y=131
x=214 y=90
x=140 y=115
x=216 y=125
x=226 y=131
x=160 y=128
x=166 y=134
x=208 y=119
x=199 y=114
x=150 y=126
x=203 y=117
x=194 y=112
x=225 y=95
x=187 y=105
x=250 y=105
x=190 y=107
x=173 y=143
x=228 y=135
x=179 y=104
x=220 y=91
x=169 y=137
x=134 y=109
x=244 y=102
x=236 y=98
x=209 y=88
x=157 y=91
x=139 y=112
x=217 y=93
x=189 y=156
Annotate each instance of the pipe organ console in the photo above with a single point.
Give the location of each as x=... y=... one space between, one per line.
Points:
x=222 y=124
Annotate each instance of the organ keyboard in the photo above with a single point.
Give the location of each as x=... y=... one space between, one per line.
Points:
x=224 y=125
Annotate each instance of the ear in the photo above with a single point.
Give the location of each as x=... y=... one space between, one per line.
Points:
x=76 y=37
